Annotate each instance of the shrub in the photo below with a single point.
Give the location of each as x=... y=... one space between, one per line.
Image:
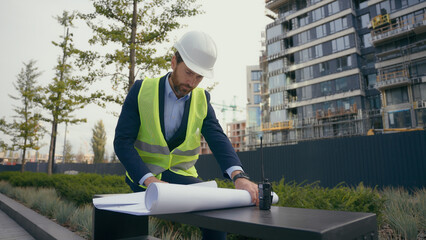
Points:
x=64 y=212
x=79 y=188
x=81 y=220
x=405 y=212
x=46 y=201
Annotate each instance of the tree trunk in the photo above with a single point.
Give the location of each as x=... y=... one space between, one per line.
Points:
x=51 y=160
x=132 y=47
x=23 y=156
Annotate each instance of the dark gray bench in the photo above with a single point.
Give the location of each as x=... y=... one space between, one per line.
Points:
x=278 y=223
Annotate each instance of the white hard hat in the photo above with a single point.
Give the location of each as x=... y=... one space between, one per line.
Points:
x=198 y=51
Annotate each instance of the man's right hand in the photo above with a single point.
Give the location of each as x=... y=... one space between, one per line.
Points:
x=151 y=180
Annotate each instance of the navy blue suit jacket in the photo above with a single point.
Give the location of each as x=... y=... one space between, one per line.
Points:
x=129 y=123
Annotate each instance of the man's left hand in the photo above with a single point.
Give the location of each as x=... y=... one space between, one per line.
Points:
x=251 y=187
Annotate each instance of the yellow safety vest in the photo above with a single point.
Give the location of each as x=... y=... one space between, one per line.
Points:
x=151 y=144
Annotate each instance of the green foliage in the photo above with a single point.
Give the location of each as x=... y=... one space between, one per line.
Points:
x=79 y=188
x=133 y=31
x=63 y=212
x=47 y=203
x=405 y=212
x=98 y=142
x=67 y=92
x=341 y=198
x=25 y=129
x=81 y=220
x=68 y=156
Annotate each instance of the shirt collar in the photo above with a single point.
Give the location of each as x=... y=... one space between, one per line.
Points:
x=169 y=92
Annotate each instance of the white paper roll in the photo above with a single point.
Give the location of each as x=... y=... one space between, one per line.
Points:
x=173 y=198
x=164 y=198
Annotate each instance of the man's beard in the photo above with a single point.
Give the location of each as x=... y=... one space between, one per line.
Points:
x=179 y=89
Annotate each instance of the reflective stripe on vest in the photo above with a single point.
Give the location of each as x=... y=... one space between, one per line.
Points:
x=151 y=144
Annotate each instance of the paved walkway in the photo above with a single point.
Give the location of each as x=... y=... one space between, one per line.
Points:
x=9 y=229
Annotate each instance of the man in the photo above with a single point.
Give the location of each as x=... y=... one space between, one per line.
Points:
x=157 y=137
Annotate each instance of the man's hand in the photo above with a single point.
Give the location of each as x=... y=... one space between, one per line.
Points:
x=151 y=180
x=245 y=184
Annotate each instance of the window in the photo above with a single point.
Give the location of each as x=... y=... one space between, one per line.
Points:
x=318 y=14
x=344 y=62
x=366 y=40
x=397 y=96
x=325 y=88
x=364 y=20
x=323 y=68
x=340 y=44
x=371 y=80
x=254 y=117
x=318 y=51
x=321 y=31
x=278 y=116
x=338 y=25
x=305 y=55
x=306 y=73
x=277 y=99
x=400 y=119
x=307 y=92
x=275 y=65
x=274 y=48
x=419 y=91
x=333 y=8
x=304 y=37
x=341 y=84
x=361 y=4
x=255 y=75
x=274 y=31
x=383 y=8
x=257 y=99
x=277 y=81
x=303 y=20
x=256 y=87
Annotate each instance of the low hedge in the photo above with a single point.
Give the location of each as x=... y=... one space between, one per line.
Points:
x=79 y=188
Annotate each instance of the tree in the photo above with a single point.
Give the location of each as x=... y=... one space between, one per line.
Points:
x=25 y=129
x=68 y=156
x=137 y=27
x=66 y=93
x=98 y=142
x=114 y=158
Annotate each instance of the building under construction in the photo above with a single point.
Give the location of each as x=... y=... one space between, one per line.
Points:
x=340 y=68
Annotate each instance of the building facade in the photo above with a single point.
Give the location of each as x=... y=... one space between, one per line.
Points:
x=398 y=34
x=254 y=98
x=236 y=132
x=324 y=71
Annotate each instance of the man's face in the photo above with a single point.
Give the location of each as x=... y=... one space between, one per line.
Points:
x=183 y=79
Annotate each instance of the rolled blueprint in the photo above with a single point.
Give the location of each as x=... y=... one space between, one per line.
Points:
x=165 y=198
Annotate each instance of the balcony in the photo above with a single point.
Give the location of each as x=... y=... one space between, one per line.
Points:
x=393 y=79
x=274 y=5
x=415 y=25
x=333 y=113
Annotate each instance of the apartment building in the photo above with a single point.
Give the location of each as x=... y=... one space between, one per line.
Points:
x=236 y=132
x=254 y=98
x=325 y=74
x=398 y=34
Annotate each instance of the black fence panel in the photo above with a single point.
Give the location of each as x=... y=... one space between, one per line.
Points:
x=397 y=159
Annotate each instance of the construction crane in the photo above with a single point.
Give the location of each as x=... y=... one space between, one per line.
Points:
x=232 y=107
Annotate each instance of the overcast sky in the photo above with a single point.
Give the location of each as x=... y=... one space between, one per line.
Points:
x=27 y=29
